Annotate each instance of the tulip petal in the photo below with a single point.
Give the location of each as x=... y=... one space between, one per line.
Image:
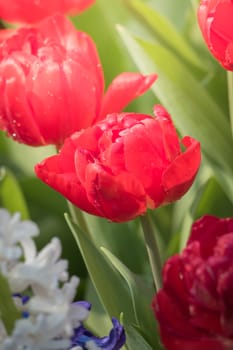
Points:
x=207 y=230
x=56 y=171
x=166 y=307
x=169 y=136
x=16 y=113
x=119 y=198
x=29 y=11
x=145 y=158
x=55 y=92
x=51 y=82
x=204 y=9
x=123 y=90
x=221 y=32
x=79 y=45
x=180 y=174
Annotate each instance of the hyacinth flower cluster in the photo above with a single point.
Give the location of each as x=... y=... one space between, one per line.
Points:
x=43 y=293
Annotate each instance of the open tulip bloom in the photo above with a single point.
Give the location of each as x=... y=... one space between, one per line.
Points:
x=131 y=185
x=123 y=165
x=52 y=84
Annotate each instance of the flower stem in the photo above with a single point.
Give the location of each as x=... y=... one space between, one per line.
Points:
x=8 y=311
x=230 y=96
x=78 y=218
x=152 y=250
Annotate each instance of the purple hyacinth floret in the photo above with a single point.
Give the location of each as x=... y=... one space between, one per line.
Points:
x=114 y=341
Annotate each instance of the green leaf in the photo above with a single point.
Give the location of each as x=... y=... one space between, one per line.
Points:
x=98 y=321
x=117 y=237
x=165 y=32
x=141 y=295
x=135 y=340
x=9 y=313
x=11 y=196
x=193 y=110
x=110 y=286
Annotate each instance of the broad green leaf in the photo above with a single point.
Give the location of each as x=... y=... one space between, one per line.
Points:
x=98 y=320
x=141 y=295
x=135 y=340
x=111 y=288
x=165 y=32
x=117 y=238
x=11 y=196
x=193 y=110
x=175 y=11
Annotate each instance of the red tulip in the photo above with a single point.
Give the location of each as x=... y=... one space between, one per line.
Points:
x=195 y=306
x=32 y=11
x=123 y=165
x=215 y=20
x=51 y=83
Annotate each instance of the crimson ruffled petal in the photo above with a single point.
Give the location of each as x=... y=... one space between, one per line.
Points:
x=197 y=289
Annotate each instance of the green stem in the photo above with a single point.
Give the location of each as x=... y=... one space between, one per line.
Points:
x=152 y=250
x=8 y=311
x=78 y=218
x=230 y=96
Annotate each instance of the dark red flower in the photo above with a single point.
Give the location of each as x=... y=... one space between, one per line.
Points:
x=51 y=83
x=32 y=11
x=123 y=165
x=195 y=306
x=215 y=20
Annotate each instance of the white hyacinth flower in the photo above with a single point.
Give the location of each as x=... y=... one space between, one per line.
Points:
x=42 y=271
x=13 y=234
x=39 y=333
x=50 y=319
x=50 y=315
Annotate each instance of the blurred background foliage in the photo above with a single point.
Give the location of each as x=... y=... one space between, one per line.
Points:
x=159 y=36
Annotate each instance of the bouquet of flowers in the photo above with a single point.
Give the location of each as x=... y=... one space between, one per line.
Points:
x=130 y=186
